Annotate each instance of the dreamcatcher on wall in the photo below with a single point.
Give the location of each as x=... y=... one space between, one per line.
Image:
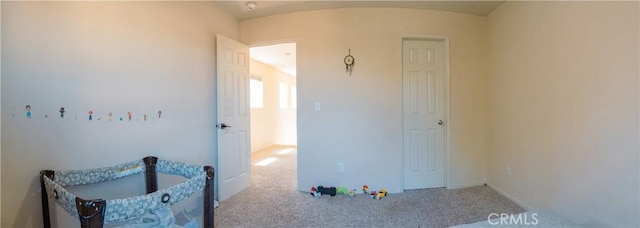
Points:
x=349 y=61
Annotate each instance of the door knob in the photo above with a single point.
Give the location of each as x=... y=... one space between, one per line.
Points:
x=222 y=126
x=440 y=122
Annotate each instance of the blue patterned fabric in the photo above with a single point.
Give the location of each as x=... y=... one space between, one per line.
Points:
x=179 y=168
x=92 y=176
x=133 y=207
x=65 y=199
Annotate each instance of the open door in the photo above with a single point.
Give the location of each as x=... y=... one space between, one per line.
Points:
x=233 y=168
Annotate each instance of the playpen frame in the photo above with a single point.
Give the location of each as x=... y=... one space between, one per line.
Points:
x=91 y=212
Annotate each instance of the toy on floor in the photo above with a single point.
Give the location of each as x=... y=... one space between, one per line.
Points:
x=315 y=193
x=352 y=193
x=327 y=191
x=381 y=194
x=373 y=194
x=365 y=189
x=341 y=191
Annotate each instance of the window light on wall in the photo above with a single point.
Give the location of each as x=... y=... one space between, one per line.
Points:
x=256 y=87
x=284 y=95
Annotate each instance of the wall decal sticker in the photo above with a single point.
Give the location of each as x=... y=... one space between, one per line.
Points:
x=110 y=116
x=90 y=115
x=28 y=108
x=62 y=112
x=129 y=115
x=160 y=114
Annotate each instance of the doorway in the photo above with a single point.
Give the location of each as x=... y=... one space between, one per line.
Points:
x=425 y=112
x=273 y=103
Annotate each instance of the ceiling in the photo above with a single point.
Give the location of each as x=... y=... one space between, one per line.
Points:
x=279 y=56
x=269 y=8
x=283 y=56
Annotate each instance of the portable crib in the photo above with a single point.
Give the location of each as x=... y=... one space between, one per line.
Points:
x=94 y=213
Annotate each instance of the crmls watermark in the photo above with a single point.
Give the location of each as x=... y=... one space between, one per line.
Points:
x=511 y=219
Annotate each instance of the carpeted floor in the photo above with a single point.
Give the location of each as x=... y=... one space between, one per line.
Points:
x=273 y=201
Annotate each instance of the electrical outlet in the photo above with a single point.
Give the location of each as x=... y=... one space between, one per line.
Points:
x=340 y=167
x=508 y=170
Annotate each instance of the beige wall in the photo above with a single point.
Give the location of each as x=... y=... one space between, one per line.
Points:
x=564 y=108
x=359 y=123
x=109 y=57
x=272 y=125
x=557 y=81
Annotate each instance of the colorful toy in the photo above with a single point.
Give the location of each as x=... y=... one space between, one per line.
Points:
x=342 y=191
x=365 y=189
x=327 y=191
x=381 y=194
x=352 y=193
x=373 y=194
x=315 y=193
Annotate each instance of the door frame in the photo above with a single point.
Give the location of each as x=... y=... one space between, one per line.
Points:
x=447 y=98
x=282 y=41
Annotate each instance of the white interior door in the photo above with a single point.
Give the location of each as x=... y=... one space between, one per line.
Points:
x=423 y=113
x=233 y=170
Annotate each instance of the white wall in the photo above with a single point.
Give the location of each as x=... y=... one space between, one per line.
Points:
x=564 y=108
x=107 y=57
x=272 y=125
x=360 y=122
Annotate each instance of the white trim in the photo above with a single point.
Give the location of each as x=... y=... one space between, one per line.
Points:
x=467 y=185
x=510 y=197
x=447 y=99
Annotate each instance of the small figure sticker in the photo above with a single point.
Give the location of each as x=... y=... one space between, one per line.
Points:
x=145 y=117
x=90 y=115
x=129 y=115
x=160 y=114
x=28 y=108
x=62 y=112
x=110 y=116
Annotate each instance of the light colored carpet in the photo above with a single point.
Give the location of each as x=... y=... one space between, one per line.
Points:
x=523 y=220
x=273 y=201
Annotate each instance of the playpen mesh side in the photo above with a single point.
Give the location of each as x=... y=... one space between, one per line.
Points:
x=133 y=207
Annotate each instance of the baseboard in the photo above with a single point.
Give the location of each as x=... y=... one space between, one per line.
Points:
x=468 y=185
x=273 y=147
x=510 y=197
